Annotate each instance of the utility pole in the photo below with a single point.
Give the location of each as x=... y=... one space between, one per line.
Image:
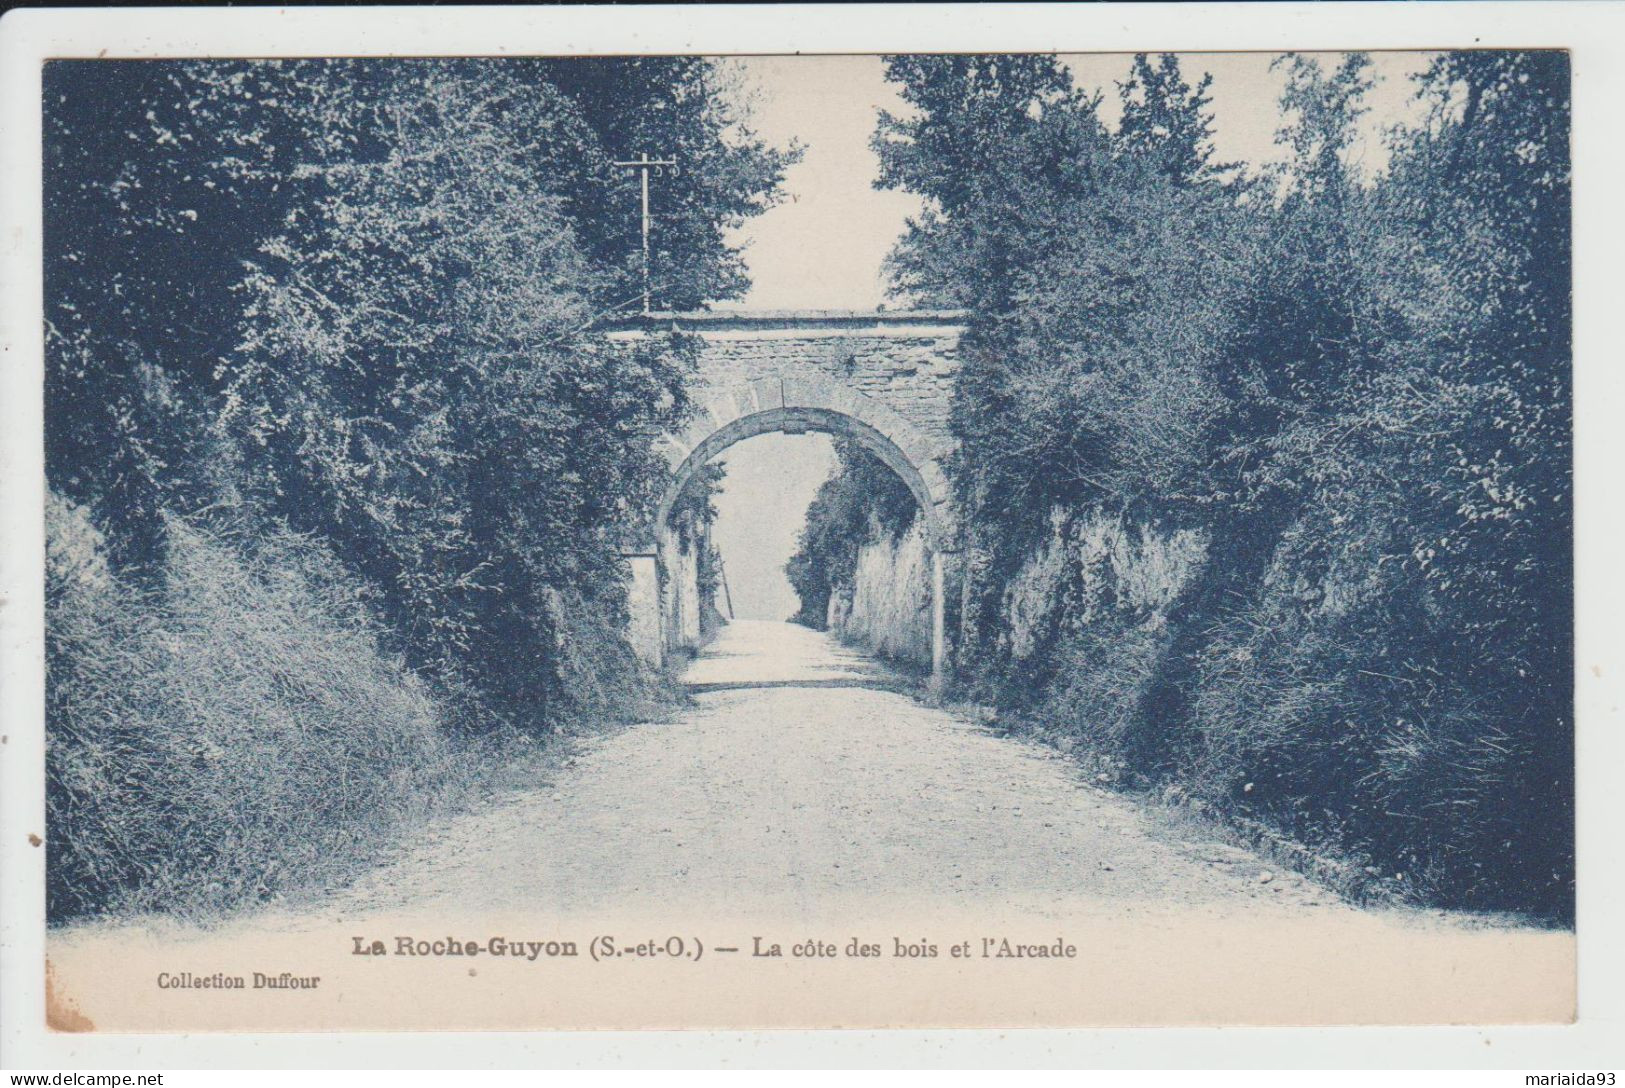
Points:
x=722 y=575
x=643 y=164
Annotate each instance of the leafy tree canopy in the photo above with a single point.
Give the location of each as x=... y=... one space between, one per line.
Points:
x=361 y=298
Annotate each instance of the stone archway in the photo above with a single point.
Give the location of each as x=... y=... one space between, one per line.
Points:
x=795 y=403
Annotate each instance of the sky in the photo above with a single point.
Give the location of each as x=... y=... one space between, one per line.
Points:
x=771 y=479
x=823 y=247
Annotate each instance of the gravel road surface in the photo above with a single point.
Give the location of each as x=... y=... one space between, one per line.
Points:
x=798 y=781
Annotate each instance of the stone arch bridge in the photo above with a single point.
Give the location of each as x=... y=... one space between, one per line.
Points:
x=884 y=379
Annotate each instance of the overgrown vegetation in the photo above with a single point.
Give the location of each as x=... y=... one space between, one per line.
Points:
x=339 y=466
x=861 y=502
x=1265 y=476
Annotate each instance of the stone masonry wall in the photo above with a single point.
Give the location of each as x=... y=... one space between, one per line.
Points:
x=911 y=375
x=889 y=374
x=681 y=601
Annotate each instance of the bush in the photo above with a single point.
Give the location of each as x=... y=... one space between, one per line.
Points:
x=862 y=501
x=356 y=304
x=227 y=735
x=1326 y=418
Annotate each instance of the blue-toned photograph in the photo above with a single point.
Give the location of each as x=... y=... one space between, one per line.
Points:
x=558 y=518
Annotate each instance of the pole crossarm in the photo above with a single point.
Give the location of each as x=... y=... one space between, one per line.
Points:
x=643 y=164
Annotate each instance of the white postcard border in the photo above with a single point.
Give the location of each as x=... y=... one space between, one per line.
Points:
x=1596 y=34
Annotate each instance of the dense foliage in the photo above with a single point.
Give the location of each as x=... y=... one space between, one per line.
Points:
x=355 y=303
x=1265 y=477
x=862 y=501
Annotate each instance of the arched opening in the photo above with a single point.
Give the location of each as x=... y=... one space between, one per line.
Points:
x=666 y=599
x=766 y=503
x=795 y=421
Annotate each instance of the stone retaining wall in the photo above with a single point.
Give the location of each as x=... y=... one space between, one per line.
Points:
x=888 y=610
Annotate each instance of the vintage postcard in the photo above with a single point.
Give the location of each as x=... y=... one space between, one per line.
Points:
x=590 y=539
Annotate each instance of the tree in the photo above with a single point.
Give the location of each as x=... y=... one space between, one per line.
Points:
x=1352 y=389
x=682 y=108
x=159 y=180
x=361 y=297
x=1167 y=121
x=969 y=113
x=863 y=500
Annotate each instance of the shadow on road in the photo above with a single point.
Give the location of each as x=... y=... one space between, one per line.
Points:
x=877 y=683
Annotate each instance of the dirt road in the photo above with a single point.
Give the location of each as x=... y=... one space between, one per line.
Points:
x=797 y=783
x=799 y=806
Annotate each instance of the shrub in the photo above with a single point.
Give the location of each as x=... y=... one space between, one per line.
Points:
x=1264 y=481
x=862 y=501
x=226 y=735
x=355 y=304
